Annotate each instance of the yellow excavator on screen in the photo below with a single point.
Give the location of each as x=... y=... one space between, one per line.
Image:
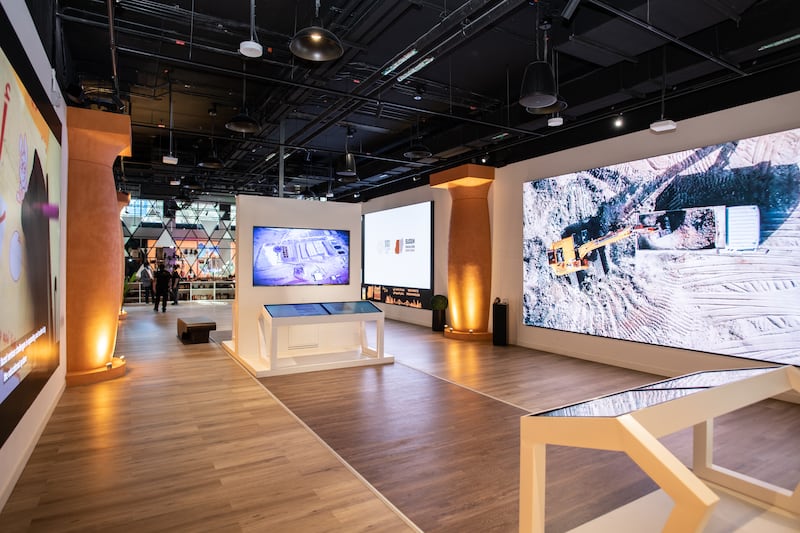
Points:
x=565 y=258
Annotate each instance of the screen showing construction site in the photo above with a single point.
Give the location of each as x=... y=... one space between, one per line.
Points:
x=698 y=249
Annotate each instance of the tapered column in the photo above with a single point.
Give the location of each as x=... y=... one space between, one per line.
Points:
x=94 y=247
x=469 y=267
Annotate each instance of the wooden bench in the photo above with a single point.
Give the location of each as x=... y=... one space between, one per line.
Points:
x=195 y=330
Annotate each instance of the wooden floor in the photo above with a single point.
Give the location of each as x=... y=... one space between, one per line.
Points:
x=187 y=440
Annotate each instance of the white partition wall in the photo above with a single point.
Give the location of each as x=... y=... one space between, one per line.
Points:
x=283 y=212
x=441 y=217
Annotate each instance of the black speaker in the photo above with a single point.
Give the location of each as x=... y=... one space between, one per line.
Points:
x=499 y=324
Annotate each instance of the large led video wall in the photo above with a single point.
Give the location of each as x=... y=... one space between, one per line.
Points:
x=398 y=255
x=30 y=157
x=698 y=249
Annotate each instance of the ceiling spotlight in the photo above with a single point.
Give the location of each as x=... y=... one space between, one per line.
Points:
x=618 y=121
x=251 y=48
x=484 y=159
x=664 y=125
x=420 y=91
x=315 y=43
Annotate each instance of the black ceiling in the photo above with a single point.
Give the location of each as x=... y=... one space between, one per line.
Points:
x=610 y=57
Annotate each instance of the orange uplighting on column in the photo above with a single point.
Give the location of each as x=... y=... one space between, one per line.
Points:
x=94 y=251
x=469 y=268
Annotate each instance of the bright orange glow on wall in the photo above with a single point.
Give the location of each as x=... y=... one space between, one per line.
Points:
x=469 y=269
x=93 y=286
x=465 y=295
x=103 y=332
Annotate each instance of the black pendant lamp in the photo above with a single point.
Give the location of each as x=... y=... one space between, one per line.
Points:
x=417 y=151
x=315 y=43
x=538 y=84
x=347 y=168
x=242 y=122
x=558 y=105
x=347 y=171
x=212 y=161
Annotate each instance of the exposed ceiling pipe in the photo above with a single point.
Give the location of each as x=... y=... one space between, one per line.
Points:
x=342 y=94
x=664 y=35
x=433 y=41
x=110 y=4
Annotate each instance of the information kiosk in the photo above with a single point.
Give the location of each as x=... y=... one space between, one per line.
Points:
x=632 y=422
x=304 y=337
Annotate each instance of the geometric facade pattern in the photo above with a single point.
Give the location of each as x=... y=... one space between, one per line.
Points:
x=199 y=237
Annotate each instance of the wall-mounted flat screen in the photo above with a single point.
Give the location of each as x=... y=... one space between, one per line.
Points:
x=300 y=256
x=698 y=249
x=398 y=255
x=30 y=185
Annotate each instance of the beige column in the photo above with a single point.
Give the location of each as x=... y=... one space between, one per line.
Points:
x=469 y=268
x=94 y=247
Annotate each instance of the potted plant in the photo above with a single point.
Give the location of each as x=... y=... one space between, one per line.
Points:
x=439 y=306
x=126 y=289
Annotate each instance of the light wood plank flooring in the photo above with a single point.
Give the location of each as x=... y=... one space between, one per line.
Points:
x=187 y=441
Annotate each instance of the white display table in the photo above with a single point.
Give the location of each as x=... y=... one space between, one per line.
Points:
x=632 y=421
x=305 y=337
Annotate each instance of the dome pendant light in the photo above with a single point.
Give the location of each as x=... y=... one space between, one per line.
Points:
x=417 y=150
x=213 y=161
x=315 y=43
x=242 y=122
x=538 y=84
x=347 y=170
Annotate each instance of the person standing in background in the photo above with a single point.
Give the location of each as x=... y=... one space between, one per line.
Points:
x=177 y=276
x=162 y=282
x=145 y=275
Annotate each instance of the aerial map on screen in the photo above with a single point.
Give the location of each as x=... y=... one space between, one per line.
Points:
x=300 y=256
